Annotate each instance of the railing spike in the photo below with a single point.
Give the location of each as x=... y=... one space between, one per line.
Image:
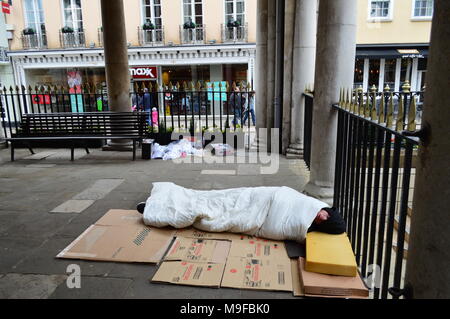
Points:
x=390 y=113
x=367 y=106
x=406 y=87
x=412 y=114
x=381 y=118
x=150 y=86
x=373 y=109
x=399 y=125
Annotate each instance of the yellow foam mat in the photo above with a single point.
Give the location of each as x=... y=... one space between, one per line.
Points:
x=330 y=254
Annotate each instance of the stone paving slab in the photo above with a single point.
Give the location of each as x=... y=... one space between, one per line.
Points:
x=99 y=189
x=39 y=156
x=94 y=288
x=73 y=206
x=20 y=286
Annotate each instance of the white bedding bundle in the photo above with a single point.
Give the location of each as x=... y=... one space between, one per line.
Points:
x=277 y=213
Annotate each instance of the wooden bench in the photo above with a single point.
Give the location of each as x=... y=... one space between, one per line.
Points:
x=78 y=128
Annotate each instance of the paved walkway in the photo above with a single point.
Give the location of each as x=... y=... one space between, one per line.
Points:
x=47 y=201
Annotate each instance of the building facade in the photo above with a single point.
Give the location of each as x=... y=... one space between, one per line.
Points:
x=392 y=43
x=53 y=41
x=56 y=42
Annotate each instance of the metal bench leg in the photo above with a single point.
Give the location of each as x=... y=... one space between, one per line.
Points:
x=72 y=152
x=12 y=151
x=134 y=150
x=87 y=150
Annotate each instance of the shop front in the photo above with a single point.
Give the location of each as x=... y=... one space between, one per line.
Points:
x=391 y=66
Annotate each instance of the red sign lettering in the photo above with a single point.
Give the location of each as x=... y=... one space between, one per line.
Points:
x=144 y=72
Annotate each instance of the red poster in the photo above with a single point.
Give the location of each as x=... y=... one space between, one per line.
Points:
x=6 y=8
x=40 y=98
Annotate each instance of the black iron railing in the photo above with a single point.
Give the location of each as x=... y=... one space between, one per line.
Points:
x=151 y=37
x=373 y=182
x=179 y=108
x=307 y=128
x=234 y=34
x=195 y=35
x=73 y=39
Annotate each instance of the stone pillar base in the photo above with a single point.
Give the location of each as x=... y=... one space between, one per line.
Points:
x=118 y=146
x=294 y=151
x=325 y=194
x=3 y=144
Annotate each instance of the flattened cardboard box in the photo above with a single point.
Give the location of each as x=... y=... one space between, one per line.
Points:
x=198 y=250
x=195 y=233
x=260 y=274
x=252 y=247
x=297 y=286
x=119 y=237
x=321 y=285
x=189 y=273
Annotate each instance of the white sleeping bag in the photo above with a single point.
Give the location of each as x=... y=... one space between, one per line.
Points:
x=277 y=213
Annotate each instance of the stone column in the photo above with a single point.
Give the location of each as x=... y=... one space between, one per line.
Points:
x=428 y=264
x=335 y=61
x=270 y=62
x=116 y=60
x=261 y=66
x=289 y=22
x=303 y=70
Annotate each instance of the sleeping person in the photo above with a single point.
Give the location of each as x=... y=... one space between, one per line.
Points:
x=278 y=213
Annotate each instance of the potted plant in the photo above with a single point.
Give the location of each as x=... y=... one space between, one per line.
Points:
x=189 y=25
x=28 y=31
x=67 y=29
x=148 y=26
x=233 y=24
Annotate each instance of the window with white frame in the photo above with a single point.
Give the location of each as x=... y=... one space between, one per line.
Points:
x=380 y=9
x=34 y=15
x=235 y=11
x=73 y=16
x=193 y=11
x=152 y=12
x=423 y=8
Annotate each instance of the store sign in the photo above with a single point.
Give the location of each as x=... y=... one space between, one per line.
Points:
x=41 y=99
x=144 y=72
x=6 y=8
x=410 y=53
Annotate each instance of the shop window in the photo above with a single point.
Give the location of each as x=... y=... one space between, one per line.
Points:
x=152 y=12
x=73 y=17
x=423 y=9
x=235 y=11
x=359 y=73
x=405 y=74
x=389 y=73
x=193 y=11
x=374 y=72
x=380 y=9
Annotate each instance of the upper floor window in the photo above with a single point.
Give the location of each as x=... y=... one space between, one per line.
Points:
x=73 y=17
x=152 y=12
x=193 y=11
x=235 y=11
x=380 y=9
x=34 y=15
x=423 y=8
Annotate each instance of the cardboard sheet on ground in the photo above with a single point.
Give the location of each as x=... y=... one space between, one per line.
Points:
x=189 y=273
x=260 y=274
x=257 y=248
x=195 y=233
x=199 y=250
x=321 y=285
x=120 y=237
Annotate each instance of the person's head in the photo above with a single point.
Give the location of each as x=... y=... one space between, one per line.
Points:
x=236 y=89
x=328 y=221
x=145 y=90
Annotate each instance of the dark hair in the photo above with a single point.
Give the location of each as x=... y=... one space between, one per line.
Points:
x=334 y=225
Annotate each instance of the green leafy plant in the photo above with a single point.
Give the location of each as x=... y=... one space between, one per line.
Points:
x=67 y=29
x=148 y=26
x=189 y=25
x=28 y=31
